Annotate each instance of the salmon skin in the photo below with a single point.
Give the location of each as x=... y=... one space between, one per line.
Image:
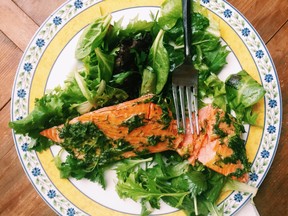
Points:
x=141 y=126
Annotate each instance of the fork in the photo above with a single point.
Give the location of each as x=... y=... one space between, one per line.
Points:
x=185 y=78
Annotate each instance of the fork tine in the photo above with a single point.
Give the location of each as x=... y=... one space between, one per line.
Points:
x=175 y=98
x=189 y=106
x=195 y=108
x=185 y=77
x=182 y=106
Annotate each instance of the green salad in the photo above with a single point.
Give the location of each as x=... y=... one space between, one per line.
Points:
x=123 y=62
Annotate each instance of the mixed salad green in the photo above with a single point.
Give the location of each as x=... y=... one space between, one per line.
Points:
x=124 y=62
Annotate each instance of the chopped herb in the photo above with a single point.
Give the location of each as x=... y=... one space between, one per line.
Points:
x=166 y=116
x=78 y=135
x=170 y=140
x=153 y=140
x=238 y=173
x=216 y=128
x=239 y=154
x=124 y=145
x=239 y=128
x=219 y=132
x=134 y=122
x=238 y=147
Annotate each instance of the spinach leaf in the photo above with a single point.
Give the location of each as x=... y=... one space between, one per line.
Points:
x=120 y=78
x=83 y=86
x=90 y=63
x=159 y=60
x=92 y=36
x=148 y=81
x=170 y=12
x=105 y=64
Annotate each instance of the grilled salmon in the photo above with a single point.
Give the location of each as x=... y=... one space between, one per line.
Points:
x=142 y=126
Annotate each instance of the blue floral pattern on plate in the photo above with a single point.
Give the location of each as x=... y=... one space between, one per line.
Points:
x=238 y=197
x=28 y=67
x=71 y=212
x=272 y=103
x=78 y=4
x=24 y=147
x=259 y=54
x=221 y=8
x=265 y=154
x=36 y=171
x=40 y=42
x=227 y=13
x=51 y=194
x=57 y=20
x=245 y=32
x=21 y=93
x=205 y=1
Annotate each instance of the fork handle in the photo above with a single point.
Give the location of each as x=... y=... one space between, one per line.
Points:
x=186 y=14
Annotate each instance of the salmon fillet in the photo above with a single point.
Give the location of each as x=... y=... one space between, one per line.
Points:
x=151 y=135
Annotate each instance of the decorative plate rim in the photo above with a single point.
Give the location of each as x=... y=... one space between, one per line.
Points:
x=246 y=32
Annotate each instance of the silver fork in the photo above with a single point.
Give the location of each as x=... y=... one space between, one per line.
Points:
x=185 y=78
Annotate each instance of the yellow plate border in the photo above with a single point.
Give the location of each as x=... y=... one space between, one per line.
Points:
x=244 y=57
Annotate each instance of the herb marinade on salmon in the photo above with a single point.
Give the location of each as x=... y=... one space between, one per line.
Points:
x=144 y=126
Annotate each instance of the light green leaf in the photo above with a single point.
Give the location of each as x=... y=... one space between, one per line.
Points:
x=159 y=60
x=105 y=64
x=92 y=36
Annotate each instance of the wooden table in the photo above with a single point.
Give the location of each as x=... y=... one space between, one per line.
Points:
x=19 y=19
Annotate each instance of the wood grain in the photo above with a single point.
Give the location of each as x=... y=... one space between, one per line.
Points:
x=9 y=56
x=15 y=24
x=267 y=17
x=39 y=10
x=275 y=184
x=18 y=197
x=19 y=19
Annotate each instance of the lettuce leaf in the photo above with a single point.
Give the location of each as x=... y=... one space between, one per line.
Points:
x=242 y=93
x=92 y=36
x=171 y=179
x=105 y=64
x=158 y=59
x=47 y=112
x=170 y=13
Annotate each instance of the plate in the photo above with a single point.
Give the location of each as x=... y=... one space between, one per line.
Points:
x=50 y=57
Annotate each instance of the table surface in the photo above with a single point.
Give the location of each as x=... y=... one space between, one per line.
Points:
x=19 y=20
